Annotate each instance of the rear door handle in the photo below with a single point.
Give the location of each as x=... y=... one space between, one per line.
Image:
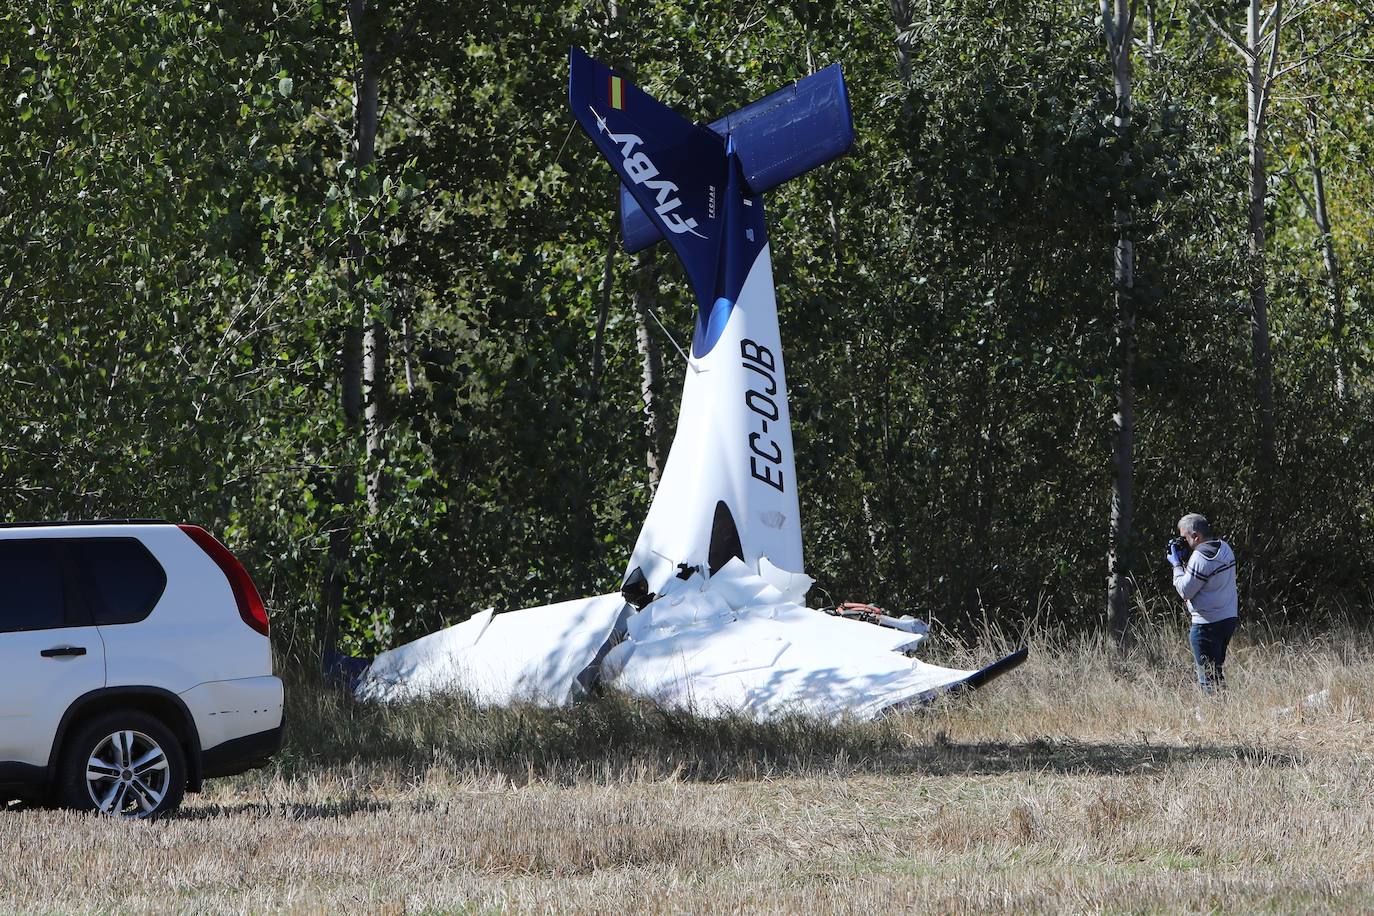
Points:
x=63 y=651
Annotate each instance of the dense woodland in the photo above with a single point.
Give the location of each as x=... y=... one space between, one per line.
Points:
x=342 y=282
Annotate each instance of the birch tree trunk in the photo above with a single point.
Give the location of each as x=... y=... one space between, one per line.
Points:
x=643 y=279
x=651 y=359
x=366 y=94
x=1150 y=45
x=364 y=348
x=1118 y=20
x=1259 y=54
x=607 y=291
x=1260 y=71
x=1322 y=218
x=901 y=17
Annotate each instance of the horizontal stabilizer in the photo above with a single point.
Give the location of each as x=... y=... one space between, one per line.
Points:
x=791 y=131
x=777 y=138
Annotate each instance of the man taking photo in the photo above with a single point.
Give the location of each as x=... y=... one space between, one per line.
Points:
x=1205 y=577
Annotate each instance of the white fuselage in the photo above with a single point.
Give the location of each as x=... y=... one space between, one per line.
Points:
x=733 y=445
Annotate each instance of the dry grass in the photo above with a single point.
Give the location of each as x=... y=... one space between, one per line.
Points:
x=1079 y=783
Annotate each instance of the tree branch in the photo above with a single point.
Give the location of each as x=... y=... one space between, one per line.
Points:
x=1269 y=18
x=397 y=41
x=1302 y=195
x=1274 y=40
x=1225 y=33
x=1302 y=11
x=1333 y=43
x=1266 y=87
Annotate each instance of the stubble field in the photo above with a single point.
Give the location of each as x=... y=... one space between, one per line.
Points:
x=1079 y=783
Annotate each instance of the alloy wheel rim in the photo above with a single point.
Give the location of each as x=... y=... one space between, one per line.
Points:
x=127 y=774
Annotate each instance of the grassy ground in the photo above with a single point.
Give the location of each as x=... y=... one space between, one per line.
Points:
x=1081 y=782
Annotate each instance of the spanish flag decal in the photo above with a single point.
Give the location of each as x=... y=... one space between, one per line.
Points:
x=617 y=93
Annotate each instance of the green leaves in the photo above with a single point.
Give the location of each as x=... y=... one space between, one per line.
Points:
x=178 y=191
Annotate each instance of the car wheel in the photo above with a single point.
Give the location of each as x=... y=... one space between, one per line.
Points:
x=123 y=763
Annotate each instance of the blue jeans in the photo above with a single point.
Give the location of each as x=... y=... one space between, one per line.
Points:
x=1209 y=641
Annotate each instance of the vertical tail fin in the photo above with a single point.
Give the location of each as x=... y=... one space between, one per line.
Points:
x=675 y=170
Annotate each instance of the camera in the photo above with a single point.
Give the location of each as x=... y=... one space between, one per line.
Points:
x=1180 y=546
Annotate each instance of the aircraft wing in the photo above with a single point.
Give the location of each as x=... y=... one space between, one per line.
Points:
x=738 y=643
x=544 y=655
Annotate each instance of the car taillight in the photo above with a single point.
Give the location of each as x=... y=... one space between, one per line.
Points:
x=250 y=604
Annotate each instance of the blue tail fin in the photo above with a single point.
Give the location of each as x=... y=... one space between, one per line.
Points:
x=675 y=170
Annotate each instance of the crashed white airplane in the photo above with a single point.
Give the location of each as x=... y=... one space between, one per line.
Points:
x=711 y=615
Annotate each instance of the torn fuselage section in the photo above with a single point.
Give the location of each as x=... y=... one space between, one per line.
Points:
x=741 y=641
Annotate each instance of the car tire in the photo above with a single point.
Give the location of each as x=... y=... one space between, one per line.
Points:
x=124 y=763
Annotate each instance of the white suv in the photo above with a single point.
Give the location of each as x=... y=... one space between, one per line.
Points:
x=134 y=662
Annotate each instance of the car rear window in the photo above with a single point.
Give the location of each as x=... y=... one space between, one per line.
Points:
x=124 y=578
x=31 y=588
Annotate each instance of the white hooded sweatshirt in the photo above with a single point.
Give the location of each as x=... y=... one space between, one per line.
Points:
x=1207 y=582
